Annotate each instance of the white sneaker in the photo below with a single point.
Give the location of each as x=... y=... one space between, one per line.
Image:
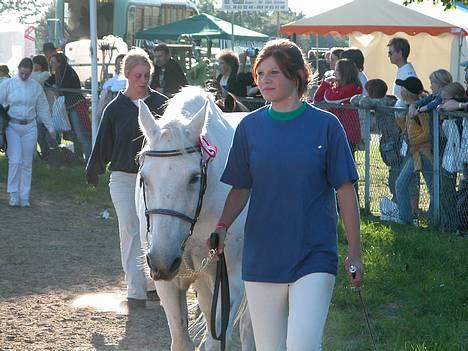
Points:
x=14 y=200
x=25 y=203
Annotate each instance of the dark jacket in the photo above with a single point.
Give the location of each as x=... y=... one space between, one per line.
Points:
x=119 y=138
x=174 y=78
x=235 y=85
x=69 y=80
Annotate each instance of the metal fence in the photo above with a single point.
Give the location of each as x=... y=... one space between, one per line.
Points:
x=449 y=170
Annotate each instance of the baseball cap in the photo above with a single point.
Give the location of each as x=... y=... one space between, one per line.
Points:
x=464 y=63
x=412 y=84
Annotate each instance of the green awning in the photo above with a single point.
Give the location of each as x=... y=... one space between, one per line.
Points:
x=201 y=26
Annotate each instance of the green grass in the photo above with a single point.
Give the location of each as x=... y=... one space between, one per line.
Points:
x=415 y=286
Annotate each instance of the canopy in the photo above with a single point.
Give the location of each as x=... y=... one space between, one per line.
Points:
x=367 y=16
x=370 y=24
x=201 y=26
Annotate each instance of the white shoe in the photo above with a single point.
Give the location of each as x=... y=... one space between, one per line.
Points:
x=25 y=203
x=14 y=200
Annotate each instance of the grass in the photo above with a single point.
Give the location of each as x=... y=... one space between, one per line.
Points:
x=415 y=289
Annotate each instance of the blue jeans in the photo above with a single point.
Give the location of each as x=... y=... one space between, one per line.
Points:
x=81 y=135
x=402 y=186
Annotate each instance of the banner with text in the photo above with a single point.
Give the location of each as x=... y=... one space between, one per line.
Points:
x=255 y=5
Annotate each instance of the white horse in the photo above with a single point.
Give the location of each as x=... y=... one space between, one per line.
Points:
x=171 y=173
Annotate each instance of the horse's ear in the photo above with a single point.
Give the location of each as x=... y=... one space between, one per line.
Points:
x=197 y=122
x=146 y=120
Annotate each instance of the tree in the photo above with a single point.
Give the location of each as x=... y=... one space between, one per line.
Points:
x=448 y=4
x=27 y=11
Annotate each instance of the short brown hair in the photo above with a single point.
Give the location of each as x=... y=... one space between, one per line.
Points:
x=162 y=47
x=230 y=58
x=26 y=63
x=376 y=88
x=400 y=45
x=454 y=90
x=290 y=59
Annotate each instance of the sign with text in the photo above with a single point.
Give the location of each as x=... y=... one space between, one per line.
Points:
x=255 y=5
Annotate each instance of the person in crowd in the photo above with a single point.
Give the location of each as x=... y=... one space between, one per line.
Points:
x=65 y=77
x=448 y=181
x=4 y=73
x=340 y=88
x=117 y=83
x=168 y=76
x=227 y=78
x=390 y=133
x=454 y=98
x=118 y=142
x=335 y=55
x=416 y=132
x=398 y=52
x=27 y=105
x=292 y=204
x=49 y=50
x=357 y=57
x=40 y=74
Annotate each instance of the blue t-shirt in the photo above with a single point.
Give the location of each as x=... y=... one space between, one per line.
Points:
x=292 y=168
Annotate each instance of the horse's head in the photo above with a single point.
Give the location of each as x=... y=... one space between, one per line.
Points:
x=171 y=177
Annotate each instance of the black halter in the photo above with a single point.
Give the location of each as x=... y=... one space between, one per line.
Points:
x=169 y=212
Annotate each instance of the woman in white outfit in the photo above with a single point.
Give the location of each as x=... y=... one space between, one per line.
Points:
x=118 y=141
x=27 y=103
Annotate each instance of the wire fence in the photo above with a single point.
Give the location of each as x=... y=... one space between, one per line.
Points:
x=438 y=192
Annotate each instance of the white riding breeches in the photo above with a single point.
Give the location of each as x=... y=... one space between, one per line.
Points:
x=21 y=145
x=122 y=190
x=290 y=316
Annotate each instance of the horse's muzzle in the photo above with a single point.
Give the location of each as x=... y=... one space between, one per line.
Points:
x=163 y=274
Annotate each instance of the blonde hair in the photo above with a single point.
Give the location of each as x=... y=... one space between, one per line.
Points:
x=454 y=90
x=441 y=77
x=136 y=57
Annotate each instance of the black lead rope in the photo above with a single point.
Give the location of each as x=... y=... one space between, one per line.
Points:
x=223 y=282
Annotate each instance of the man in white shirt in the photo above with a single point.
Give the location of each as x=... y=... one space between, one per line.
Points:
x=398 y=52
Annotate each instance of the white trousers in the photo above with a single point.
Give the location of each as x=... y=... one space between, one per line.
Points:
x=21 y=146
x=122 y=190
x=290 y=316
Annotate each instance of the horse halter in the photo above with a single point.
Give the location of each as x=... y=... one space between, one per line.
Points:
x=211 y=151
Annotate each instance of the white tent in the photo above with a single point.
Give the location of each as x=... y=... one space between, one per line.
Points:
x=370 y=24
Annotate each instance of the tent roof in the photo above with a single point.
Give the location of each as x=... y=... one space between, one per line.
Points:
x=367 y=16
x=201 y=26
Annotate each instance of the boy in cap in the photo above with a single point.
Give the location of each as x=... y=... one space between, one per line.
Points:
x=416 y=133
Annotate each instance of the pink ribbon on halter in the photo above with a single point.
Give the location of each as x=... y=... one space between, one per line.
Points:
x=209 y=149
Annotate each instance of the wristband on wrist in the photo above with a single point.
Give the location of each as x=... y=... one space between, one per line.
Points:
x=222 y=225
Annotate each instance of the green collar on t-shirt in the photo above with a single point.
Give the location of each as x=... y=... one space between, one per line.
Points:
x=286 y=116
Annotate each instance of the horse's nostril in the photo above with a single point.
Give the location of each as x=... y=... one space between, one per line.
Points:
x=148 y=261
x=175 y=265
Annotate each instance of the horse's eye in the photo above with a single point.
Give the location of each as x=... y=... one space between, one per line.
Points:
x=195 y=178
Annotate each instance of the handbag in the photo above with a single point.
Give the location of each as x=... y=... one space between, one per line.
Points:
x=59 y=115
x=451 y=160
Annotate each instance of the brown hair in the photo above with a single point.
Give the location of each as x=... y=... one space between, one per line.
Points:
x=348 y=71
x=355 y=55
x=376 y=88
x=454 y=90
x=26 y=63
x=400 y=45
x=231 y=59
x=290 y=59
x=162 y=47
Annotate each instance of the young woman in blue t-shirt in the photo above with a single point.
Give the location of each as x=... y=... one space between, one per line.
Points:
x=290 y=159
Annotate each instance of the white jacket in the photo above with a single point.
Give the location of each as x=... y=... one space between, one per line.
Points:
x=27 y=100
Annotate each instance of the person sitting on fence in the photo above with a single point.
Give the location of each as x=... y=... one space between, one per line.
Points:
x=390 y=139
x=340 y=88
x=417 y=136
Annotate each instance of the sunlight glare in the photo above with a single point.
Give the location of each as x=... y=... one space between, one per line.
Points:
x=103 y=302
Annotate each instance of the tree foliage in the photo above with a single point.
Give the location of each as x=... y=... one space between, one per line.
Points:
x=448 y=4
x=27 y=11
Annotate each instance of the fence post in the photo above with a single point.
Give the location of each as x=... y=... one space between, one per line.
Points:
x=367 y=142
x=436 y=168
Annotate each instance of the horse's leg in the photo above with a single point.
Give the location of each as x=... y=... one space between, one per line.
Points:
x=174 y=302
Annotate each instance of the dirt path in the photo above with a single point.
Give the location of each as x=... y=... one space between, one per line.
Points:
x=57 y=256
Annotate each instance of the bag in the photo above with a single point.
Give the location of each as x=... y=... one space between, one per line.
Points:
x=390 y=152
x=59 y=115
x=451 y=160
x=389 y=210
